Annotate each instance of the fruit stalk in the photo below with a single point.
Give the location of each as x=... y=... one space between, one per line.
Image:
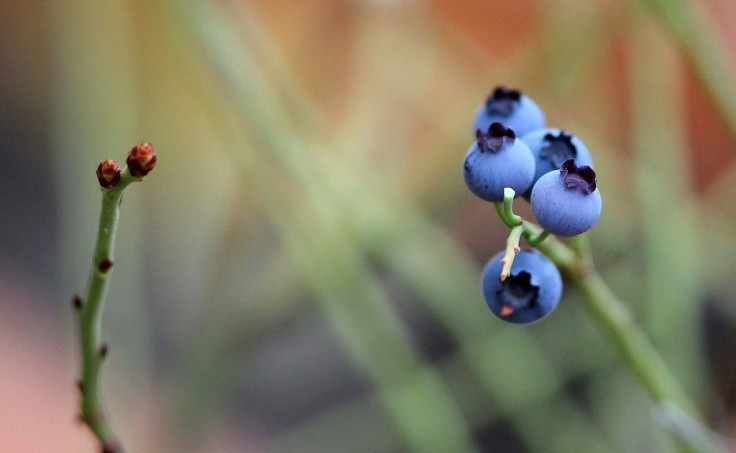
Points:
x=640 y=356
x=512 y=248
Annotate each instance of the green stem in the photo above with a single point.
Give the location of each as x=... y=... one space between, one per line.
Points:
x=538 y=238
x=630 y=341
x=505 y=209
x=89 y=315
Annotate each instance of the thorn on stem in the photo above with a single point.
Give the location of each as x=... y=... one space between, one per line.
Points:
x=103 y=350
x=77 y=302
x=80 y=385
x=105 y=265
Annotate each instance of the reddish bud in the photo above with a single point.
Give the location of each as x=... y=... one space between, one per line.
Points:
x=141 y=160
x=108 y=173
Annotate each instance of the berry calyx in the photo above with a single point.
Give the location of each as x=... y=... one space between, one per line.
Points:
x=517 y=291
x=558 y=149
x=502 y=101
x=497 y=136
x=580 y=178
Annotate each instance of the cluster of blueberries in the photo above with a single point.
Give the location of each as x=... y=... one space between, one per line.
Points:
x=550 y=168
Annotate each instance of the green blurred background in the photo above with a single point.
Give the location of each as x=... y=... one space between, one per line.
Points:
x=301 y=271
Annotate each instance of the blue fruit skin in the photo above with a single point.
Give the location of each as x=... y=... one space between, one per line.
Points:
x=564 y=211
x=487 y=173
x=544 y=275
x=525 y=117
x=545 y=164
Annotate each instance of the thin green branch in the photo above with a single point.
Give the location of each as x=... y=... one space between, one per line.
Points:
x=535 y=240
x=89 y=311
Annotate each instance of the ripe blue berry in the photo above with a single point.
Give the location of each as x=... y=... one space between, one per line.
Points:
x=531 y=292
x=497 y=160
x=512 y=108
x=551 y=147
x=566 y=202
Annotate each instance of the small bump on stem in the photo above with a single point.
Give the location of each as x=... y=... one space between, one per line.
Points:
x=103 y=351
x=105 y=265
x=77 y=302
x=80 y=385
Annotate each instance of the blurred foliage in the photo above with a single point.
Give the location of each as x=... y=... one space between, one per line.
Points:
x=301 y=273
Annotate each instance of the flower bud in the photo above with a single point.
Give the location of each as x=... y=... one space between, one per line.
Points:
x=141 y=160
x=108 y=173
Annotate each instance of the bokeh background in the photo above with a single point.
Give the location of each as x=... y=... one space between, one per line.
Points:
x=301 y=271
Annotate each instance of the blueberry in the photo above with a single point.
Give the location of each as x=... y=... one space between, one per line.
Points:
x=511 y=108
x=566 y=202
x=497 y=160
x=551 y=147
x=531 y=292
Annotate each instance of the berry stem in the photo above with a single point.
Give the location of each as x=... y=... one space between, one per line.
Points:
x=535 y=240
x=89 y=315
x=639 y=354
x=512 y=248
x=505 y=209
